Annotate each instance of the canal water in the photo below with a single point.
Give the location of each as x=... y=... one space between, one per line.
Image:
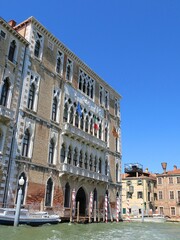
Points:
x=94 y=231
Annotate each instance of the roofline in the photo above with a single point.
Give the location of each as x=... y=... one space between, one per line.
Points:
x=13 y=31
x=68 y=51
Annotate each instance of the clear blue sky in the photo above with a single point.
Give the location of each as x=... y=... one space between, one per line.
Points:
x=134 y=45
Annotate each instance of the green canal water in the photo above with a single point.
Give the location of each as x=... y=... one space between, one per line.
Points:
x=99 y=231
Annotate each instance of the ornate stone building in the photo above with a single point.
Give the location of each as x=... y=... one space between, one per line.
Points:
x=12 y=54
x=68 y=135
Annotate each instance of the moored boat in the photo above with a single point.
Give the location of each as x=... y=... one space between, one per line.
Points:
x=7 y=216
x=154 y=218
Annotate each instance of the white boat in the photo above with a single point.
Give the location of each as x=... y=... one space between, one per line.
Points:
x=157 y=218
x=7 y=216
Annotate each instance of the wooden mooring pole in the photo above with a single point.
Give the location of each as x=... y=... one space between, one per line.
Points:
x=77 y=211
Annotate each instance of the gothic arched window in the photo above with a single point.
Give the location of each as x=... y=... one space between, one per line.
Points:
x=54 y=109
x=12 y=49
x=31 y=96
x=67 y=195
x=37 y=48
x=4 y=93
x=49 y=189
x=26 y=143
x=65 y=116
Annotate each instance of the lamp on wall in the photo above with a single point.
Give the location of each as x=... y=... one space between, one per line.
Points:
x=18 y=206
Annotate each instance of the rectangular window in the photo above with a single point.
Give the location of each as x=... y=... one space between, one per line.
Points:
x=2 y=34
x=161 y=210
x=171 y=195
x=178 y=179
x=170 y=180
x=173 y=212
x=160 y=195
x=139 y=195
x=159 y=180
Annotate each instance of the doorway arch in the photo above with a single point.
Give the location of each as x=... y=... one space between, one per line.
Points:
x=81 y=198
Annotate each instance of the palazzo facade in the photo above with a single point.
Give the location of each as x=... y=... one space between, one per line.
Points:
x=67 y=135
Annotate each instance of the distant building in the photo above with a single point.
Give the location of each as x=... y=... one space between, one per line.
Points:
x=67 y=137
x=138 y=190
x=168 y=192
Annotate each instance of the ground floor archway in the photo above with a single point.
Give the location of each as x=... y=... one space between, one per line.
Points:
x=81 y=198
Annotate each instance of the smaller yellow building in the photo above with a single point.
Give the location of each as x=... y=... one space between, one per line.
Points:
x=138 y=191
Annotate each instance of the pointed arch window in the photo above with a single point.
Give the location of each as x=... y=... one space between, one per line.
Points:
x=106 y=134
x=84 y=86
x=90 y=162
x=106 y=167
x=75 y=157
x=91 y=126
x=80 y=83
x=92 y=91
x=71 y=117
x=100 y=165
x=87 y=124
x=100 y=131
x=95 y=197
x=67 y=195
x=49 y=189
x=69 y=156
x=95 y=164
x=86 y=161
x=58 y=65
x=68 y=72
x=37 y=49
x=82 y=121
x=81 y=159
x=63 y=153
x=65 y=116
x=51 y=151
x=5 y=92
x=88 y=88
x=12 y=49
x=31 y=96
x=54 y=109
x=77 y=120
x=26 y=143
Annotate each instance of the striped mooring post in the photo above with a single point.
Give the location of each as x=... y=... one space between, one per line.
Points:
x=128 y=217
x=117 y=209
x=106 y=208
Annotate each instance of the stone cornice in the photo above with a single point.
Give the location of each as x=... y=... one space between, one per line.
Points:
x=12 y=31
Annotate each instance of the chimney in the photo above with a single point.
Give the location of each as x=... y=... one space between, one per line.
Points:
x=164 y=165
x=12 y=23
x=147 y=170
x=175 y=167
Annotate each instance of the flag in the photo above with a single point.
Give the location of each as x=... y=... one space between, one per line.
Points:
x=114 y=132
x=96 y=127
x=78 y=109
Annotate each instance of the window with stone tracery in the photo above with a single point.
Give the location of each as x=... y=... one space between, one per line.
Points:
x=59 y=62
x=38 y=47
x=33 y=92
x=69 y=70
x=86 y=84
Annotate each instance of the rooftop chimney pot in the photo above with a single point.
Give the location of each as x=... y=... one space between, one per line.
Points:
x=12 y=23
x=164 y=165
